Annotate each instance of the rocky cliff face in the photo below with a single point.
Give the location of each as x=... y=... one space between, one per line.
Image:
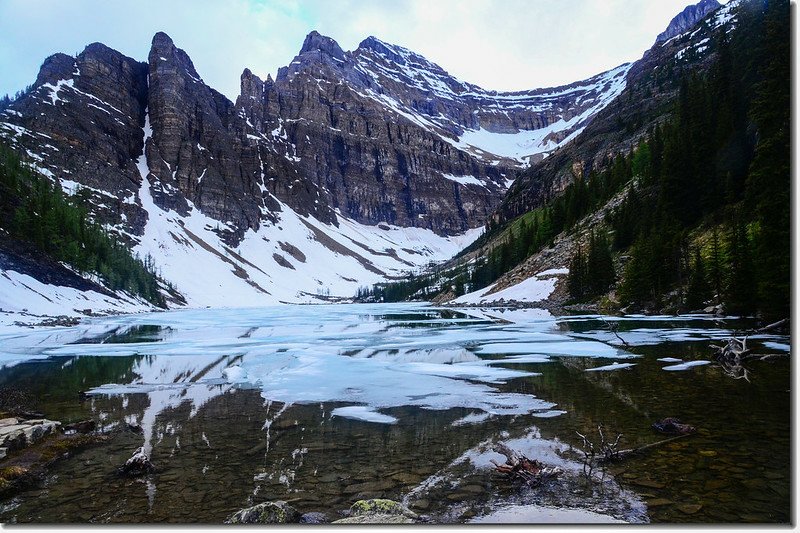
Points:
x=374 y=155
x=378 y=134
x=687 y=19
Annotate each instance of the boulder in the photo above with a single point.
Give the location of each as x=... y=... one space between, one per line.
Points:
x=138 y=465
x=16 y=434
x=278 y=512
x=379 y=511
x=314 y=518
x=377 y=518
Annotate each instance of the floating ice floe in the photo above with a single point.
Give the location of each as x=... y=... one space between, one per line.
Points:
x=778 y=346
x=685 y=366
x=612 y=366
x=364 y=413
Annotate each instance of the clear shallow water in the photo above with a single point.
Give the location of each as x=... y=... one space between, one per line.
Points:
x=324 y=405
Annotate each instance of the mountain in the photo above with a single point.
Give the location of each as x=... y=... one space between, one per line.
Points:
x=676 y=197
x=347 y=169
x=687 y=19
x=653 y=83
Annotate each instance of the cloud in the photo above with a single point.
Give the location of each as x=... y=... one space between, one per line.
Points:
x=497 y=44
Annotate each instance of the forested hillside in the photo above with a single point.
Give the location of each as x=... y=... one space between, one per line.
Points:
x=706 y=213
x=34 y=211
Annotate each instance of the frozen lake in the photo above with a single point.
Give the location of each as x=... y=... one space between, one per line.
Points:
x=324 y=405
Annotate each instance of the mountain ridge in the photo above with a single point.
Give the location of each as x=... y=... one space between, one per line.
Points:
x=375 y=157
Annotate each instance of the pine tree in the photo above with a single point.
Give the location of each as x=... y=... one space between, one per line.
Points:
x=715 y=262
x=599 y=266
x=740 y=294
x=698 y=291
x=769 y=179
x=576 y=279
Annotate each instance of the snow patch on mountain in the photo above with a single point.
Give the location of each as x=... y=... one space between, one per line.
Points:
x=534 y=289
x=464 y=180
x=524 y=144
x=385 y=64
x=295 y=260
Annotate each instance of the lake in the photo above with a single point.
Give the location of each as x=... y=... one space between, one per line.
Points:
x=321 y=406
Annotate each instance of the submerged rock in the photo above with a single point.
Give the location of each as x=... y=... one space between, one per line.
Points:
x=379 y=505
x=278 y=512
x=314 y=518
x=138 y=465
x=673 y=426
x=85 y=426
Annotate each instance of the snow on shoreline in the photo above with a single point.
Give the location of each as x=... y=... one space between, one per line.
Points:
x=537 y=288
x=26 y=300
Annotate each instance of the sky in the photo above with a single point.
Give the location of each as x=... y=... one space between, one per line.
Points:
x=504 y=45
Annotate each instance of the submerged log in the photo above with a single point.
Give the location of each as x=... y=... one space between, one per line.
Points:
x=608 y=452
x=518 y=466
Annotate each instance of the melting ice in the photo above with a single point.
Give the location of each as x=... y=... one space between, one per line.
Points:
x=370 y=358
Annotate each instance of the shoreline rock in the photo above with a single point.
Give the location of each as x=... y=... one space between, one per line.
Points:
x=277 y=512
x=379 y=511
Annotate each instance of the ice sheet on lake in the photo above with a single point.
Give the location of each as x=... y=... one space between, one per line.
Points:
x=686 y=366
x=373 y=357
x=566 y=347
x=361 y=412
x=536 y=514
x=612 y=366
x=778 y=346
x=650 y=336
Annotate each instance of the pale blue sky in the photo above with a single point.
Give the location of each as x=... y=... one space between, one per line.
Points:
x=497 y=44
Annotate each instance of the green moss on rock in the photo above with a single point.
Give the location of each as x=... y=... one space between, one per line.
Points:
x=376 y=518
x=379 y=506
x=278 y=512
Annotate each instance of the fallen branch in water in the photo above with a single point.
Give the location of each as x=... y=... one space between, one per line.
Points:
x=613 y=330
x=602 y=453
x=622 y=454
x=730 y=357
x=607 y=452
x=518 y=466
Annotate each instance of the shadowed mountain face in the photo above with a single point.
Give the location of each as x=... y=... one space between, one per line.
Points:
x=687 y=19
x=378 y=134
x=688 y=44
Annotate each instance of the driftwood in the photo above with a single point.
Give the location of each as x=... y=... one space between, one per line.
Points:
x=735 y=352
x=518 y=466
x=604 y=451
